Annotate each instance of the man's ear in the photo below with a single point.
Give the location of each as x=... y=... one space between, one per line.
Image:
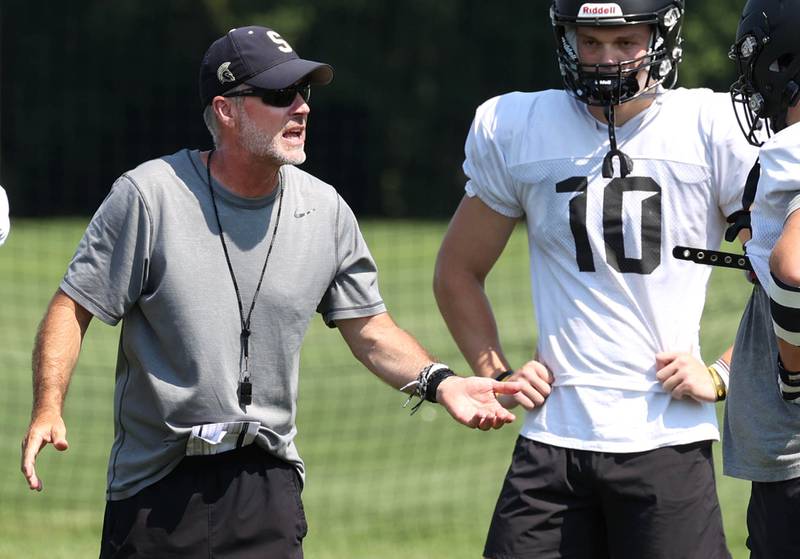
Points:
x=224 y=110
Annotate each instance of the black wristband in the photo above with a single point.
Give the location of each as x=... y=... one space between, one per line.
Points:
x=434 y=381
x=504 y=375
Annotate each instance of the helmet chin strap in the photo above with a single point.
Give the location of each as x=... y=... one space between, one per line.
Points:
x=625 y=162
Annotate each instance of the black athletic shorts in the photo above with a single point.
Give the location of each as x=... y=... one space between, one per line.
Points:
x=242 y=504
x=576 y=504
x=772 y=520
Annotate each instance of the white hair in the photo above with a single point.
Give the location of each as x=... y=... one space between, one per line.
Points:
x=210 y=117
x=211 y=123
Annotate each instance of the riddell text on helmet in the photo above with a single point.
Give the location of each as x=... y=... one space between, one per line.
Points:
x=600 y=10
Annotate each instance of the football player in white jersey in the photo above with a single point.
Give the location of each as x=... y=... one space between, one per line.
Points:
x=614 y=457
x=762 y=420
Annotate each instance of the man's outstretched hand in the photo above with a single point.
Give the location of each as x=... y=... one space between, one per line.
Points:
x=472 y=401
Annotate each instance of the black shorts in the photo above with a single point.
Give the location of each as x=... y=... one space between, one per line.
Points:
x=576 y=504
x=240 y=504
x=772 y=517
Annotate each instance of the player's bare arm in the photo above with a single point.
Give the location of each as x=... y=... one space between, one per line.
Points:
x=474 y=241
x=397 y=358
x=684 y=376
x=58 y=343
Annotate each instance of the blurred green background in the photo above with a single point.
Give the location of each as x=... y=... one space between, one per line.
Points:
x=89 y=89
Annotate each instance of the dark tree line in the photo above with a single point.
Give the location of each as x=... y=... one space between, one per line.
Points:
x=91 y=88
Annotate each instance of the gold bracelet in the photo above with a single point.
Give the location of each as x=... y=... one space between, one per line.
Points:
x=719 y=386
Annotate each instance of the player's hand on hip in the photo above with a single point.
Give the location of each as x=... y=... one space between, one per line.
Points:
x=47 y=427
x=535 y=379
x=472 y=401
x=683 y=375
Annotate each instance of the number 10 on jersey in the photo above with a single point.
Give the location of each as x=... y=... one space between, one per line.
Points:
x=613 y=229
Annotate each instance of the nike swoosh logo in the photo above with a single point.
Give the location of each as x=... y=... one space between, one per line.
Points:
x=298 y=213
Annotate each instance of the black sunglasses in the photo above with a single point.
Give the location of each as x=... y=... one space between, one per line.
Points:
x=276 y=97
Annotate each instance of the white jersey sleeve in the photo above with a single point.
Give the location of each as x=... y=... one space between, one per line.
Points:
x=485 y=165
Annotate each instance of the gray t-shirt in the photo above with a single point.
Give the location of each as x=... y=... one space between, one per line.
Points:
x=152 y=257
x=761 y=441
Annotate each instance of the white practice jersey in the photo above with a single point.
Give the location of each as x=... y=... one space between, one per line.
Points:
x=608 y=293
x=777 y=196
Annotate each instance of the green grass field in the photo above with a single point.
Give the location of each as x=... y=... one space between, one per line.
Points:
x=380 y=483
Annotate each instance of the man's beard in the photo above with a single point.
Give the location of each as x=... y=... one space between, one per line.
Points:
x=258 y=144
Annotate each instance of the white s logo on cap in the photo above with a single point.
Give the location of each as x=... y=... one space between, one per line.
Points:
x=275 y=37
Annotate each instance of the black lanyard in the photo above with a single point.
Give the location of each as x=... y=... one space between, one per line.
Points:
x=245 y=386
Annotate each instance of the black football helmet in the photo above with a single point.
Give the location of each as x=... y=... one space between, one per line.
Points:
x=767 y=56
x=613 y=84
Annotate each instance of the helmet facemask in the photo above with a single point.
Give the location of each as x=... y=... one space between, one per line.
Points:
x=617 y=83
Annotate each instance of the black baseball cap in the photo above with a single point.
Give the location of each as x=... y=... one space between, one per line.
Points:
x=256 y=56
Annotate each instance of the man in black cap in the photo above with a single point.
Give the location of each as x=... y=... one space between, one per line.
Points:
x=216 y=262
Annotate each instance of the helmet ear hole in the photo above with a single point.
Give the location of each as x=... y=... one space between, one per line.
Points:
x=782 y=62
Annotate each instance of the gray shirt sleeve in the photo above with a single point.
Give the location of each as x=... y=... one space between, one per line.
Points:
x=353 y=293
x=109 y=270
